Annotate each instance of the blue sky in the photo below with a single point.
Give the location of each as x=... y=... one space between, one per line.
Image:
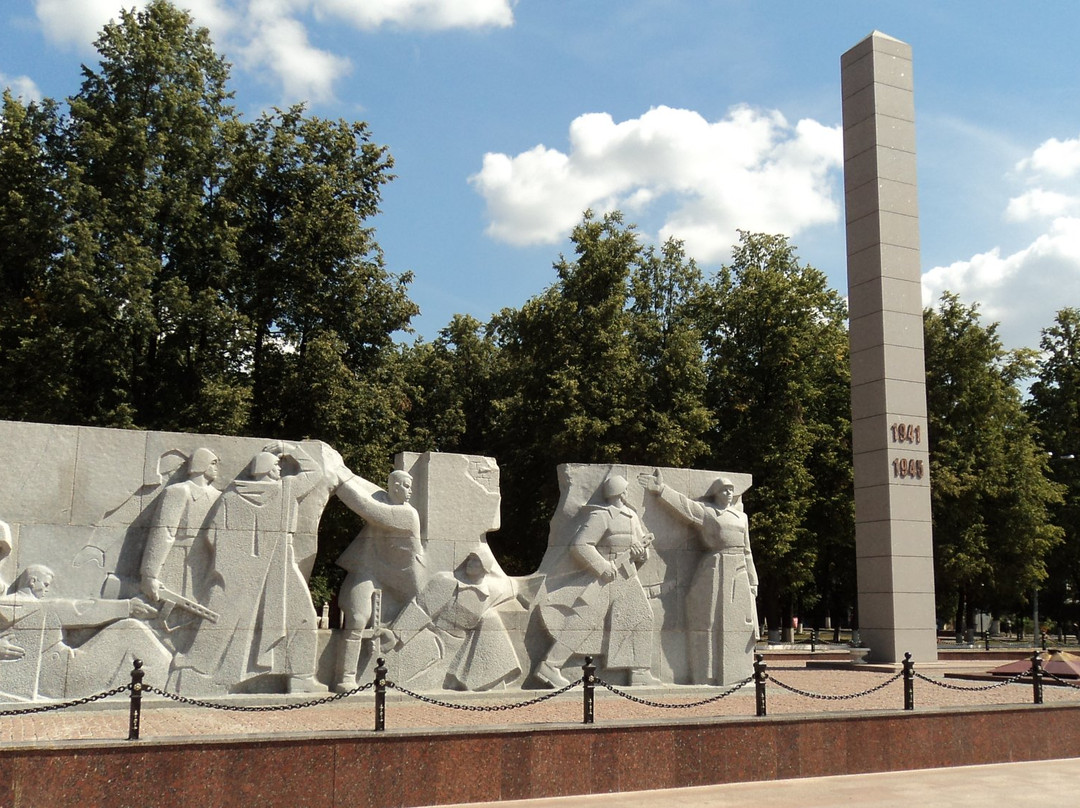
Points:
x=507 y=119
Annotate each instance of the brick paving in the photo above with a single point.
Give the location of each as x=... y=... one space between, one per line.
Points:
x=108 y=720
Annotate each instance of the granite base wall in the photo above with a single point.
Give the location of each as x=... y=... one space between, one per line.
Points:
x=411 y=768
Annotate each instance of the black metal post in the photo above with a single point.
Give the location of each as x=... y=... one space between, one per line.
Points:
x=760 y=675
x=986 y=639
x=380 y=694
x=589 y=694
x=813 y=640
x=1037 y=678
x=135 y=714
x=909 y=682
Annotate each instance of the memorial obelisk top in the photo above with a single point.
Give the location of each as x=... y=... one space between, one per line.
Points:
x=894 y=540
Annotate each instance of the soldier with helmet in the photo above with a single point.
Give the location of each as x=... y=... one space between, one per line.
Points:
x=177 y=552
x=608 y=613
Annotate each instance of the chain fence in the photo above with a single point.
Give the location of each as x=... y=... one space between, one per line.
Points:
x=1061 y=681
x=1012 y=680
x=675 y=705
x=588 y=682
x=264 y=708
x=485 y=708
x=63 y=705
x=835 y=696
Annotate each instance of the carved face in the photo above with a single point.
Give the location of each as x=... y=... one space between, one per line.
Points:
x=38 y=582
x=212 y=470
x=724 y=495
x=399 y=487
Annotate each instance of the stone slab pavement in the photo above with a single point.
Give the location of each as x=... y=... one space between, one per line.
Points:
x=1043 y=782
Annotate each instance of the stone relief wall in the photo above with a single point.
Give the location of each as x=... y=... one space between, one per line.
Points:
x=192 y=553
x=644 y=585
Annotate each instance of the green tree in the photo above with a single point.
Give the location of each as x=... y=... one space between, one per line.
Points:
x=156 y=344
x=1055 y=407
x=32 y=214
x=990 y=492
x=666 y=337
x=310 y=276
x=778 y=385
x=452 y=383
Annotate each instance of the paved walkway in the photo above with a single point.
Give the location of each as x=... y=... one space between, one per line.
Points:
x=1044 y=782
x=876 y=691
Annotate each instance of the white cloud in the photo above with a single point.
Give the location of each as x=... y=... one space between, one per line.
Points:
x=1024 y=290
x=75 y=22
x=271 y=35
x=421 y=14
x=1054 y=158
x=280 y=44
x=21 y=86
x=1040 y=204
x=750 y=171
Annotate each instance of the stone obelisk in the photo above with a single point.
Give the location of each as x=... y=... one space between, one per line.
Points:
x=893 y=533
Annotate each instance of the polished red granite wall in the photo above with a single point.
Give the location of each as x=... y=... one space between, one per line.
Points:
x=409 y=768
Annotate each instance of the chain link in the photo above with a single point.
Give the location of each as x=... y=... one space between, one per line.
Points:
x=270 y=708
x=670 y=706
x=1061 y=681
x=482 y=708
x=832 y=697
x=47 y=708
x=977 y=689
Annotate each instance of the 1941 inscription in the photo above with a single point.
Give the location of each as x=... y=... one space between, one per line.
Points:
x=906 y=433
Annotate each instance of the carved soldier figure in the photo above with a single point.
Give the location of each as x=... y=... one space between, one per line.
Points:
x=460 y=611
x=721 y=613
x=266 y=622
x=606 y=611
x=177 y=553
x=50 y=667
x=387 y=555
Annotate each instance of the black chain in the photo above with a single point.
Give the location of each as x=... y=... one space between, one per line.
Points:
x=272 y=708
x=670 y=706
x=1061 y=681
x=479 y=708
x=977 y=689
x=47 y=708
x=828 y=697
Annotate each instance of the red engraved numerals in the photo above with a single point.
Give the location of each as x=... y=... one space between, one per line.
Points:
x=906 y=433
x=907 y=468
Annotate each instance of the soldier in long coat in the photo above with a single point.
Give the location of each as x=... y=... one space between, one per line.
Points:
x=721 y=611
x=603 y=610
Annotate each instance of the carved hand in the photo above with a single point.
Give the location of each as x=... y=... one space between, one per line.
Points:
x=610 y=573
x=336 y=470
x=141 y=610
x=387 y=639
x=152 y=588
x=9 y=650
x=652 y=482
